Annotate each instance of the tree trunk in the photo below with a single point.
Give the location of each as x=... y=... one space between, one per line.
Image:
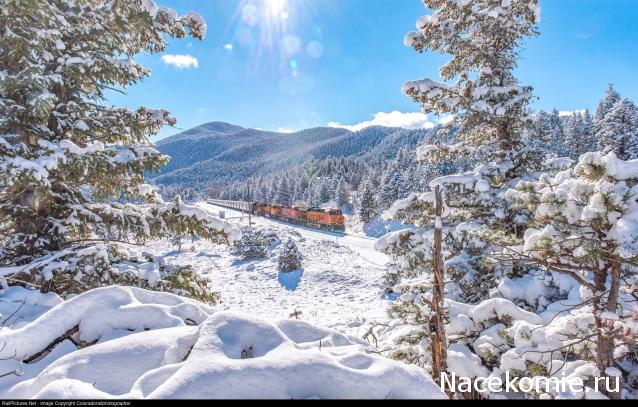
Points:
x=604 y=334
x=438 y=338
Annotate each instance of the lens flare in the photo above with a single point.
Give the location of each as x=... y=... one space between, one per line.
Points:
x=275 y=35
x=275 y=22
x=315 y=49
x=271 y=22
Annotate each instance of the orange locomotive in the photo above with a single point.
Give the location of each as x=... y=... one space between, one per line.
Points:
x=331 y=219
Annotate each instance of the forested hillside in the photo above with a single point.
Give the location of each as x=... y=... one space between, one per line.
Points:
x=331 y=165
x=220 y=153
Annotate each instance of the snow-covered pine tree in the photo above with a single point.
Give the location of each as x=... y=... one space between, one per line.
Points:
x=273 y=189
x=367 y=204
x=491 y=117
x=405 y=159
x=575 y=140
x=605 y=105
x=67 y=159
x=310 y=193
x=323 y=191
x=263 y=192
x=408 y=166
x=392 y=186
x=589 y=132
x=284 y=194
x=253 y=244
x=342 y=196
x=618 y=130
x=301 y=186
x=540 y=131
x=333 y=184
x=556 y=137
x=484 y=88
x=577 y=132
x=587 y=228
x=289 y=257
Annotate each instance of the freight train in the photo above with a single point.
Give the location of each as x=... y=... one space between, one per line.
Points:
x=330 y=219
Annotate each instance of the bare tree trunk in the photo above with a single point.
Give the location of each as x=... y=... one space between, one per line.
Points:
x=604 y=336
x=438 y=338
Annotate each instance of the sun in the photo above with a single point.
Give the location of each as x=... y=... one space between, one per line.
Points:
x=277 y=5
x=270 y=13
x=272 y=19
x=277 y=9
x=268 y=29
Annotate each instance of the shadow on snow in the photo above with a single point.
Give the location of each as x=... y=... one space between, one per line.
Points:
x=290 y=281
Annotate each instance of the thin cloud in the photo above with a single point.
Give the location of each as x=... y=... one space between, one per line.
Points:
x=286 y=130
x=181 y=61
x=410 y=121
x=571 y=112
x=229 y=47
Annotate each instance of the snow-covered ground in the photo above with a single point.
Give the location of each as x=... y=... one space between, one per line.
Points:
x=119 y=342
x=360 y=244
x=304 y=332
x=376 y=228
x=339 y=286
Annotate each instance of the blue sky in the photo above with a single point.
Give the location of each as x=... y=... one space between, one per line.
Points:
x=291 y=64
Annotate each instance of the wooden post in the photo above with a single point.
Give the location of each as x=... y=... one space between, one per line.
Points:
x=438 y=338
x=250 y=208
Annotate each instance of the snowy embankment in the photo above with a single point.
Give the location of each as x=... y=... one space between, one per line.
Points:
x=120 y=342
x=360 y=244
x=340 y=285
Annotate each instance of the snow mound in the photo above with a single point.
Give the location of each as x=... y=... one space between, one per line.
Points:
x=228 y=356
x=89 y=316
x=289 y=360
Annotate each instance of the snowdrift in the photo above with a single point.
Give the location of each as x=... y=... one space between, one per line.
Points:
x=148 y=346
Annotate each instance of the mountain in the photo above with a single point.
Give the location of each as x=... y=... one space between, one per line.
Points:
x=222 y=153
